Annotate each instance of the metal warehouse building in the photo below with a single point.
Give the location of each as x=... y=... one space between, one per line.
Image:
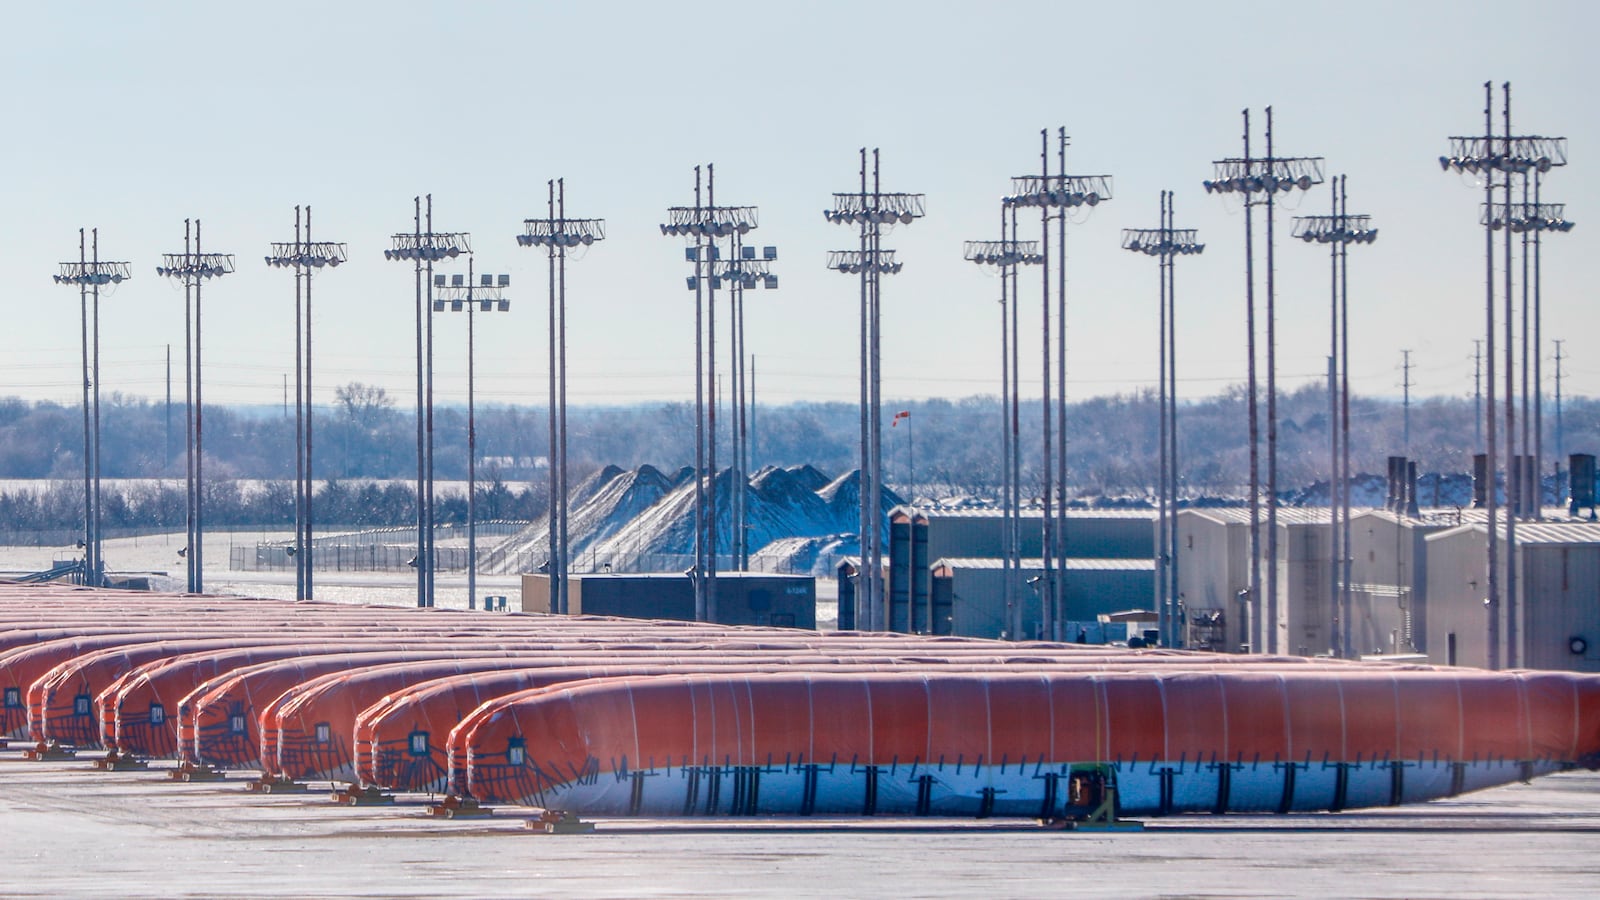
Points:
x=1214 y=573
x=1557 y=596
x=743 y=598
x=918 y=538
x=968 y=596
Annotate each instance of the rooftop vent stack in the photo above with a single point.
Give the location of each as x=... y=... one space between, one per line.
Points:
x=1480 y=480
x=1394 y=493
x=1514 y=486
x=1531 y=490
x=1581 y=468
x=1411 y=491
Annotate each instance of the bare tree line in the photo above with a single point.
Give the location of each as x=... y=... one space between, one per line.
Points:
x=946 y=447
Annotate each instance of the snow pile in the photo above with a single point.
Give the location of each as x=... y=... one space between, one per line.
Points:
x=602 y=505
x=644 y=521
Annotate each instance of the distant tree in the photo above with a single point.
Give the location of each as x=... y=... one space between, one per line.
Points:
x=365 y=432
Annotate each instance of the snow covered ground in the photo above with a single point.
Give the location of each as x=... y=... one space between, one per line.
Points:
x=157 y=555
x=67 y=830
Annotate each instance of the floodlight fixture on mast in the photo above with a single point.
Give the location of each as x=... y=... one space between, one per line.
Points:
x=192 y=268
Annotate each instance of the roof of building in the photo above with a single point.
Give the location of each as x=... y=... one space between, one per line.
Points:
x=1572 y=534
x=1073 y=564
x=1072 y=512
x=1240 y=515
x=722 y=574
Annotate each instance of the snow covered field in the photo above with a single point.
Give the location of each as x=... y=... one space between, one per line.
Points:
x=158 y=554
x=68 y=830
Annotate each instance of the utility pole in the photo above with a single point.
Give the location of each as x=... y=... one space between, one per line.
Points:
x=167 y=410
x=1405 y=387
x=1561 y=447
x=1477 y=392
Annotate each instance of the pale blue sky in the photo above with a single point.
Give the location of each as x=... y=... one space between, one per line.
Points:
x=131 y=117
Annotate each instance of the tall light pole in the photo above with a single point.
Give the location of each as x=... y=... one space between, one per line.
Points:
x=305 y=256
x=705 y=225
x=871 y=210
x=192 y=267
x=1260 y=179
x=556 y=233
x=743 y=269
x=1561 y=435
x=1166 y=243
x=88 y=274
x=485 y=295
x=1054 y=195
x=1339 y=230
x=1556 y=222
x=1483 y=157
x=423 y=246
x=1530 y=220
x=1007 y=254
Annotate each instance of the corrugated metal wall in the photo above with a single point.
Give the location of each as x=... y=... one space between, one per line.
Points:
x=1562 y=587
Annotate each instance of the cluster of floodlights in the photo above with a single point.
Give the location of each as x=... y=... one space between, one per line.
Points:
x=1263 y=176
x=875 y=209
x=561 y=232
x=854 y=262
x=1059 y=191
x=460 y=293
x=288 y=254
x=195 y=265
x=1003 y=253
x=1519 y=155
x=710 y=221
x=747 y=271
x=93 y=273
x=1335 y=229
x=428 y=247
x=1258 y=184
x=1162 y=242
x=1527 y=217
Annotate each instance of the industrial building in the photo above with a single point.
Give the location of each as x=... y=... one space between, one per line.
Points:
x=968 y=596
x=743 y=598
x=1214 y=574
x=1556 y=599
x=1417 y=583
x=1389 y=580
x=922 y=539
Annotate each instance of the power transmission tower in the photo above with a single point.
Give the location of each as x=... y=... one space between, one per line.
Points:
x=1405 y=387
